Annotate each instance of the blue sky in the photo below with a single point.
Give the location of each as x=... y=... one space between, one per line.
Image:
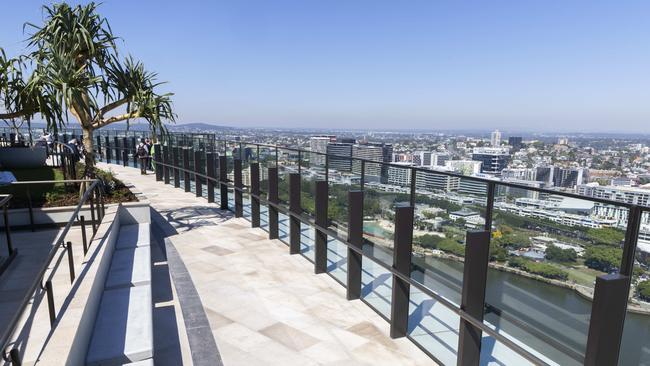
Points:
x=564 y=65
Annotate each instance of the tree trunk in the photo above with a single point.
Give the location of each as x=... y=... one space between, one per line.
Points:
x=89 y=147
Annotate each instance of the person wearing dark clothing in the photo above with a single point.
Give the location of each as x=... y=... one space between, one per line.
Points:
x=143 y=156
x=148 y=145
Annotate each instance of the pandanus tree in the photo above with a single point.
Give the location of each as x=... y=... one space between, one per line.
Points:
x=76 y=70
x=24 y=95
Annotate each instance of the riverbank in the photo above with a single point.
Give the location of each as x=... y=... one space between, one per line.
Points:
x=582 y=291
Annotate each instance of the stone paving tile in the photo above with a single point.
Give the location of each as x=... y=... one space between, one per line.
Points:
x=266 y=307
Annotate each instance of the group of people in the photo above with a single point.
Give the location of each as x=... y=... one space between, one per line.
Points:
x=145 y=151
x=75 y=146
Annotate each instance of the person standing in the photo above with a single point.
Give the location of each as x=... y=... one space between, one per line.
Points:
x=148 y=145
x=143 y=156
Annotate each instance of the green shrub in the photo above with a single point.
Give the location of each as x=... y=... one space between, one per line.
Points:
x=602 y=258
x=558 y=254
x=643 y=289
x=542 y=269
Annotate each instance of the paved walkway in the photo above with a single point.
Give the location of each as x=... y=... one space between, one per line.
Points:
x=264 y=306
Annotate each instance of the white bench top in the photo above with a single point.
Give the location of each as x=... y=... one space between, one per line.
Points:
x=132 y=236
x=123 y=330
x=129 y=267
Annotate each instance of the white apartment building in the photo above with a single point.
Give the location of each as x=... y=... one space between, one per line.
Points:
x=495 y=138
x=318 y=145
x=630 y=195
x=400 y=175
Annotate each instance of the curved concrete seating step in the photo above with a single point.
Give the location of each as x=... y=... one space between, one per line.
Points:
x=130 y=267
x=132 y=236
x=123 y=330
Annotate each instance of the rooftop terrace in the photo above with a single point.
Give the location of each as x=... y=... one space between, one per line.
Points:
x=259 y=271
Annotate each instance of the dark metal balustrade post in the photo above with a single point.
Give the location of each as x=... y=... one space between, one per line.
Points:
x=209 y=162
x=489 y=207
x=274 y=198
x=223 y=181
x=50 y=302
x=402 y=251
x=255 y=194
x=631 y=238
x=607 y=320
x=116 y=141
x=108 y=149
x=68 y=247
x=198 y=169
x=320 y=242
x=134 y=149
x=5 y=215
x=92 y=212
x=158 y=159
x=166 y=162
x=239 y=195
x=177 y=175
x=125 y=152
x=82 y=220
x=186 y=170
x=477 y=255
x=295 y=209
x=31 y=209
x=355 y=238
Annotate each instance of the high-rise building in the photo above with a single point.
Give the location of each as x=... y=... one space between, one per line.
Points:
x=400 y=175
x=546 y=174
x=569 y=177
x=495 y=138
x=422 y=158
x=387 y=157
x=515 y=142
x=433 y=181
x=493 y=159
x=340 y=156
x=439 y=158
x=318 y=146
x=368 y=152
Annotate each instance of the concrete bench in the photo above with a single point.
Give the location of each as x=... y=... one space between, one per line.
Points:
x=130 y=267
x=132 y=236
x=123 y=330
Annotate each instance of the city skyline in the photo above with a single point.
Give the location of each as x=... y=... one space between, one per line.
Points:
x=566 y=67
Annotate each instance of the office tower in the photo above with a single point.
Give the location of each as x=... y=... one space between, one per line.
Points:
x=569 y=177
x=515 y=142
x=368 y=152
x=340 y=156
x=493 y=160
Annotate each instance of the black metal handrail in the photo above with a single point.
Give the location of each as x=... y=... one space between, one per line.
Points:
x=11 y=251
x=335 y=235
x=471 y=318
x=94 y=196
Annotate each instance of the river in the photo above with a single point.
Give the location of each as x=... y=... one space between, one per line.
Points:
x=559 y=316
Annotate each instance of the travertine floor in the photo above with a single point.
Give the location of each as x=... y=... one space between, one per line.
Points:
x=264 y=306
